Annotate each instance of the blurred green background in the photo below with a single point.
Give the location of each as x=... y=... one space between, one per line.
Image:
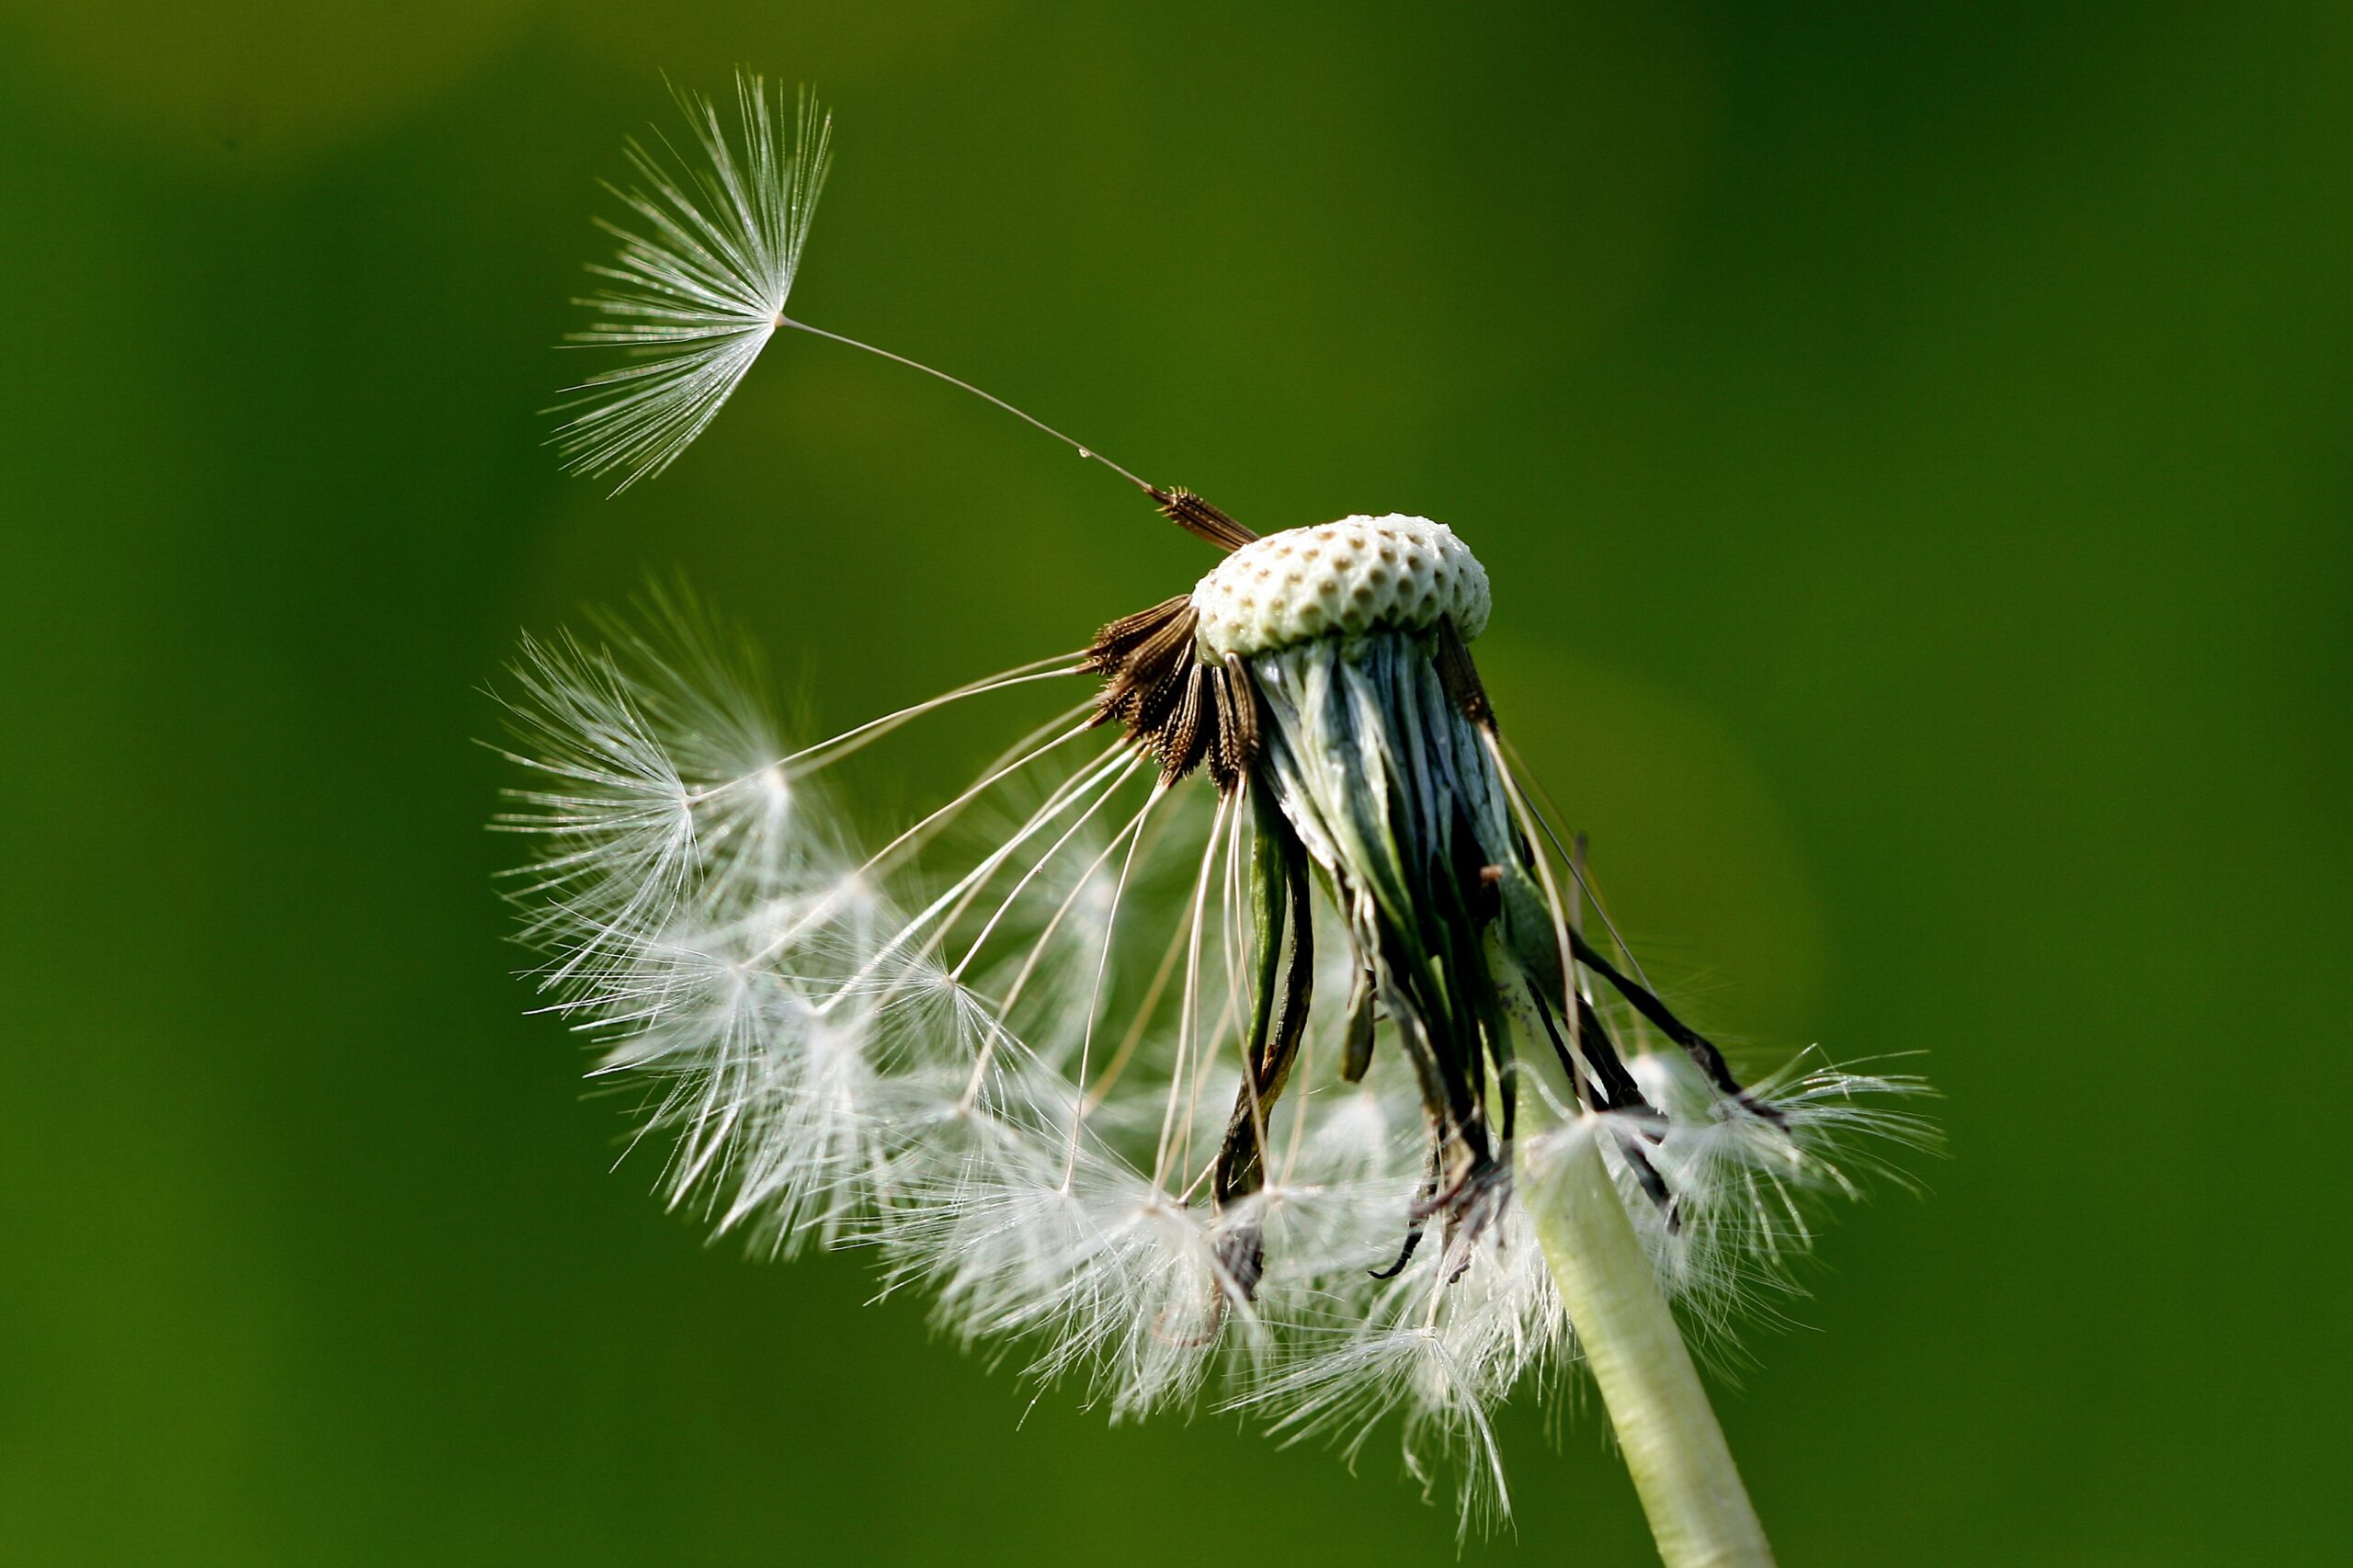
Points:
x=1911 y=445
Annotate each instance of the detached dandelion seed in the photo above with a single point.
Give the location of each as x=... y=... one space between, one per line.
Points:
x=709 y=254
x=1251 y=1048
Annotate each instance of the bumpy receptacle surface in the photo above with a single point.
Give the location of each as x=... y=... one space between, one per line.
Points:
x=1357 y=574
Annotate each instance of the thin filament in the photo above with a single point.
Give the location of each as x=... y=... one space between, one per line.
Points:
x=997 y=1028
x=1574 y=862
x=1094 y=1000
x=1079 y=446
x=1189 y=1016
x=838 y=746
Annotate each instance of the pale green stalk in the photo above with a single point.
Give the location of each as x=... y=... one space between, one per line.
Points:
x=1698 y=1511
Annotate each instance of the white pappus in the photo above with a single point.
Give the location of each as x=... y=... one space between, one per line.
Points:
x=1215 y=1044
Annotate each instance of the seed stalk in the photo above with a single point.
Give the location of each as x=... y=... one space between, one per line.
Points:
x=1699 y=1513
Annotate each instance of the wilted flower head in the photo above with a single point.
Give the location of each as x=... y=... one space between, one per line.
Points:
x=1186 y=1052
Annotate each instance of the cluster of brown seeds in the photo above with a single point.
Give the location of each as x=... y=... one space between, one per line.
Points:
x=1175 y=706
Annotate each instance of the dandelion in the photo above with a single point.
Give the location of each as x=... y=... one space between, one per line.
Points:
x=1234 y=1037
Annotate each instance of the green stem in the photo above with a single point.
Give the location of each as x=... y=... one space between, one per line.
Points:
x=1698 y=1511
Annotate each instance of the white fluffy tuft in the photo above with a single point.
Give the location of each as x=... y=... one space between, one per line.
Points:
x=1001 y=1047
x=706 y=260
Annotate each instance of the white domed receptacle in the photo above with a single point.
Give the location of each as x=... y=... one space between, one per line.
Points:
x=1340 y=579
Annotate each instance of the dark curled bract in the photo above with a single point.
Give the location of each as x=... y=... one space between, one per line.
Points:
x=1176 y=708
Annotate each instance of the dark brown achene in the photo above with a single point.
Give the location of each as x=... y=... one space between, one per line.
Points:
x=1175 y=707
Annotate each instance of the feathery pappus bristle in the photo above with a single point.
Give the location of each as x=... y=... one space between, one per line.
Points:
x=708 y=253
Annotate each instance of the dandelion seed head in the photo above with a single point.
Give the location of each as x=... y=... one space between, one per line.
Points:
x=1004 y=1047
x=1170 y=1094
